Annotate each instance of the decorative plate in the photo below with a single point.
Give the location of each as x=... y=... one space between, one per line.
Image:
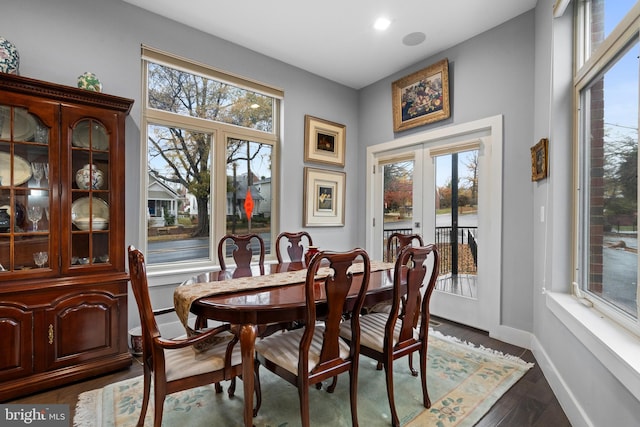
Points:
x=83 y=207
x=97 y=135
x=24 y=125
x=21 y=169
x=89 y=81
x=9 y=57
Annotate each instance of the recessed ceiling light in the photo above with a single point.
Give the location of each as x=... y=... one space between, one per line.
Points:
x=381 y=24
x=414 y=39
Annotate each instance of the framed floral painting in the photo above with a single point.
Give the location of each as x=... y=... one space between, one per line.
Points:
x=421 y=97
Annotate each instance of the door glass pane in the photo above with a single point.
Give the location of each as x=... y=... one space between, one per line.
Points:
x=249 y=190
x=457 y=221
x=398 y=199
x=178 y=194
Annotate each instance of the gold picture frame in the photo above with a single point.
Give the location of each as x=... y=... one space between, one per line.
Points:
x=421 y=97
x=324 y=141
x=540 y=160
x=324 y=197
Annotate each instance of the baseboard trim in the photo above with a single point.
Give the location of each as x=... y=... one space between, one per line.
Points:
x=572 y=408
x=512 y=336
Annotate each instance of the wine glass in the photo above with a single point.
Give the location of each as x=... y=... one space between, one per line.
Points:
x=40 y=258
x=35 y=214
x=38 y=172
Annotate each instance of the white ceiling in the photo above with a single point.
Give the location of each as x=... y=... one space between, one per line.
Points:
x=335 y=38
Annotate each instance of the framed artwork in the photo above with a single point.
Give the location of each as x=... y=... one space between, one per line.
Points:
x=324 y=141
x=324 y=197
x=421 y=97
x=540 y=160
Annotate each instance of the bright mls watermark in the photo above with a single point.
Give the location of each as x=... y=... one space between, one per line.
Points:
x=34 y=415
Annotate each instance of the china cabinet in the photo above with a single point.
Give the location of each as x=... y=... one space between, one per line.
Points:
x=63 y=284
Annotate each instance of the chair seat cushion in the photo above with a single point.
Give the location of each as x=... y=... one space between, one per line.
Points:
x=372 y=331
x=184 y=362
x=283 y=349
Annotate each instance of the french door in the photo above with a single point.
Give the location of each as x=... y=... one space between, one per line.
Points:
x=445 y=191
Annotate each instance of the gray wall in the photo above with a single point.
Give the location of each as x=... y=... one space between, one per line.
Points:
x=489 y=74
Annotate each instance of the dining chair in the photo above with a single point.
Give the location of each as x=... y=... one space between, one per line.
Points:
x=242 y=252
x=295 y=247
x=181 y=363
x=397 y=241
x=387 y=337
x=315 y=352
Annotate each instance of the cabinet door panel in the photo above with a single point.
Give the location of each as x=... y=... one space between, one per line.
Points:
x=82 y=327
x=16 y=342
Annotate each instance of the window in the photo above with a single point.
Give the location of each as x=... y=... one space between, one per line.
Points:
x=211 y=141
x=607 y=157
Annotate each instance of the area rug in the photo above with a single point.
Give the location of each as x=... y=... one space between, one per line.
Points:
x=464 y=381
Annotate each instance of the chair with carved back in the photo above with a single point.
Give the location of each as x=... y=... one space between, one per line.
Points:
x=295 y=245
x=242 y=252
x=387 y=337
x=397 y=241
x=315 y=352
x=178 y=364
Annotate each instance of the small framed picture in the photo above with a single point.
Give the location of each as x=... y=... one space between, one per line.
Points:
x=540 y=160
x=324 y=197
x=324 y=141
x=421 y=97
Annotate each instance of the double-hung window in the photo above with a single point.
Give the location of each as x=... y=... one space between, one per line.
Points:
x=209 y=154
x=606 y=91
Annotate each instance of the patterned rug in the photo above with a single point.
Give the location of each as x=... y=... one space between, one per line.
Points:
x=464 y=381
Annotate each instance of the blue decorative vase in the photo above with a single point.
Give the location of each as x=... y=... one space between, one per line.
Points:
x=9 y=57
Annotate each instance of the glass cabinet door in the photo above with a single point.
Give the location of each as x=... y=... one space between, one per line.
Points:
x=90 y=197
x=25 y=191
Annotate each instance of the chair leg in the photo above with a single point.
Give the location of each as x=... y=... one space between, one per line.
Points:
x=353 y=392
x=145 y=397
x=256 y=370
x=426 y=402
x=388 y=368
x=379 y=366
x=333 y=385
x=218 y=388
x=158 y=401
x=232 y=387
x=303 y=393
x=413 y=371
x=258 y=391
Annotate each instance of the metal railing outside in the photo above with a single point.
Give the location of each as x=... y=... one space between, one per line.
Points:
x=467 y=247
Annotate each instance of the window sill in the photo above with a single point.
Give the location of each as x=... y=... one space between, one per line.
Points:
x=616 y=348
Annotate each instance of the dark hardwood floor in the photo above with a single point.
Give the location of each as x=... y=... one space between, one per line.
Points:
x=530 y=402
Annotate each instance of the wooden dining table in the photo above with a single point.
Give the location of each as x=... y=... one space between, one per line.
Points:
x=274 y=299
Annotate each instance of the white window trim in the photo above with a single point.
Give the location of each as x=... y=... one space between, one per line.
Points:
x=177 y=272
x=604 y=333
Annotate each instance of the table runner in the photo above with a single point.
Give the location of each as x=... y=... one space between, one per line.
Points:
x=183 y=296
